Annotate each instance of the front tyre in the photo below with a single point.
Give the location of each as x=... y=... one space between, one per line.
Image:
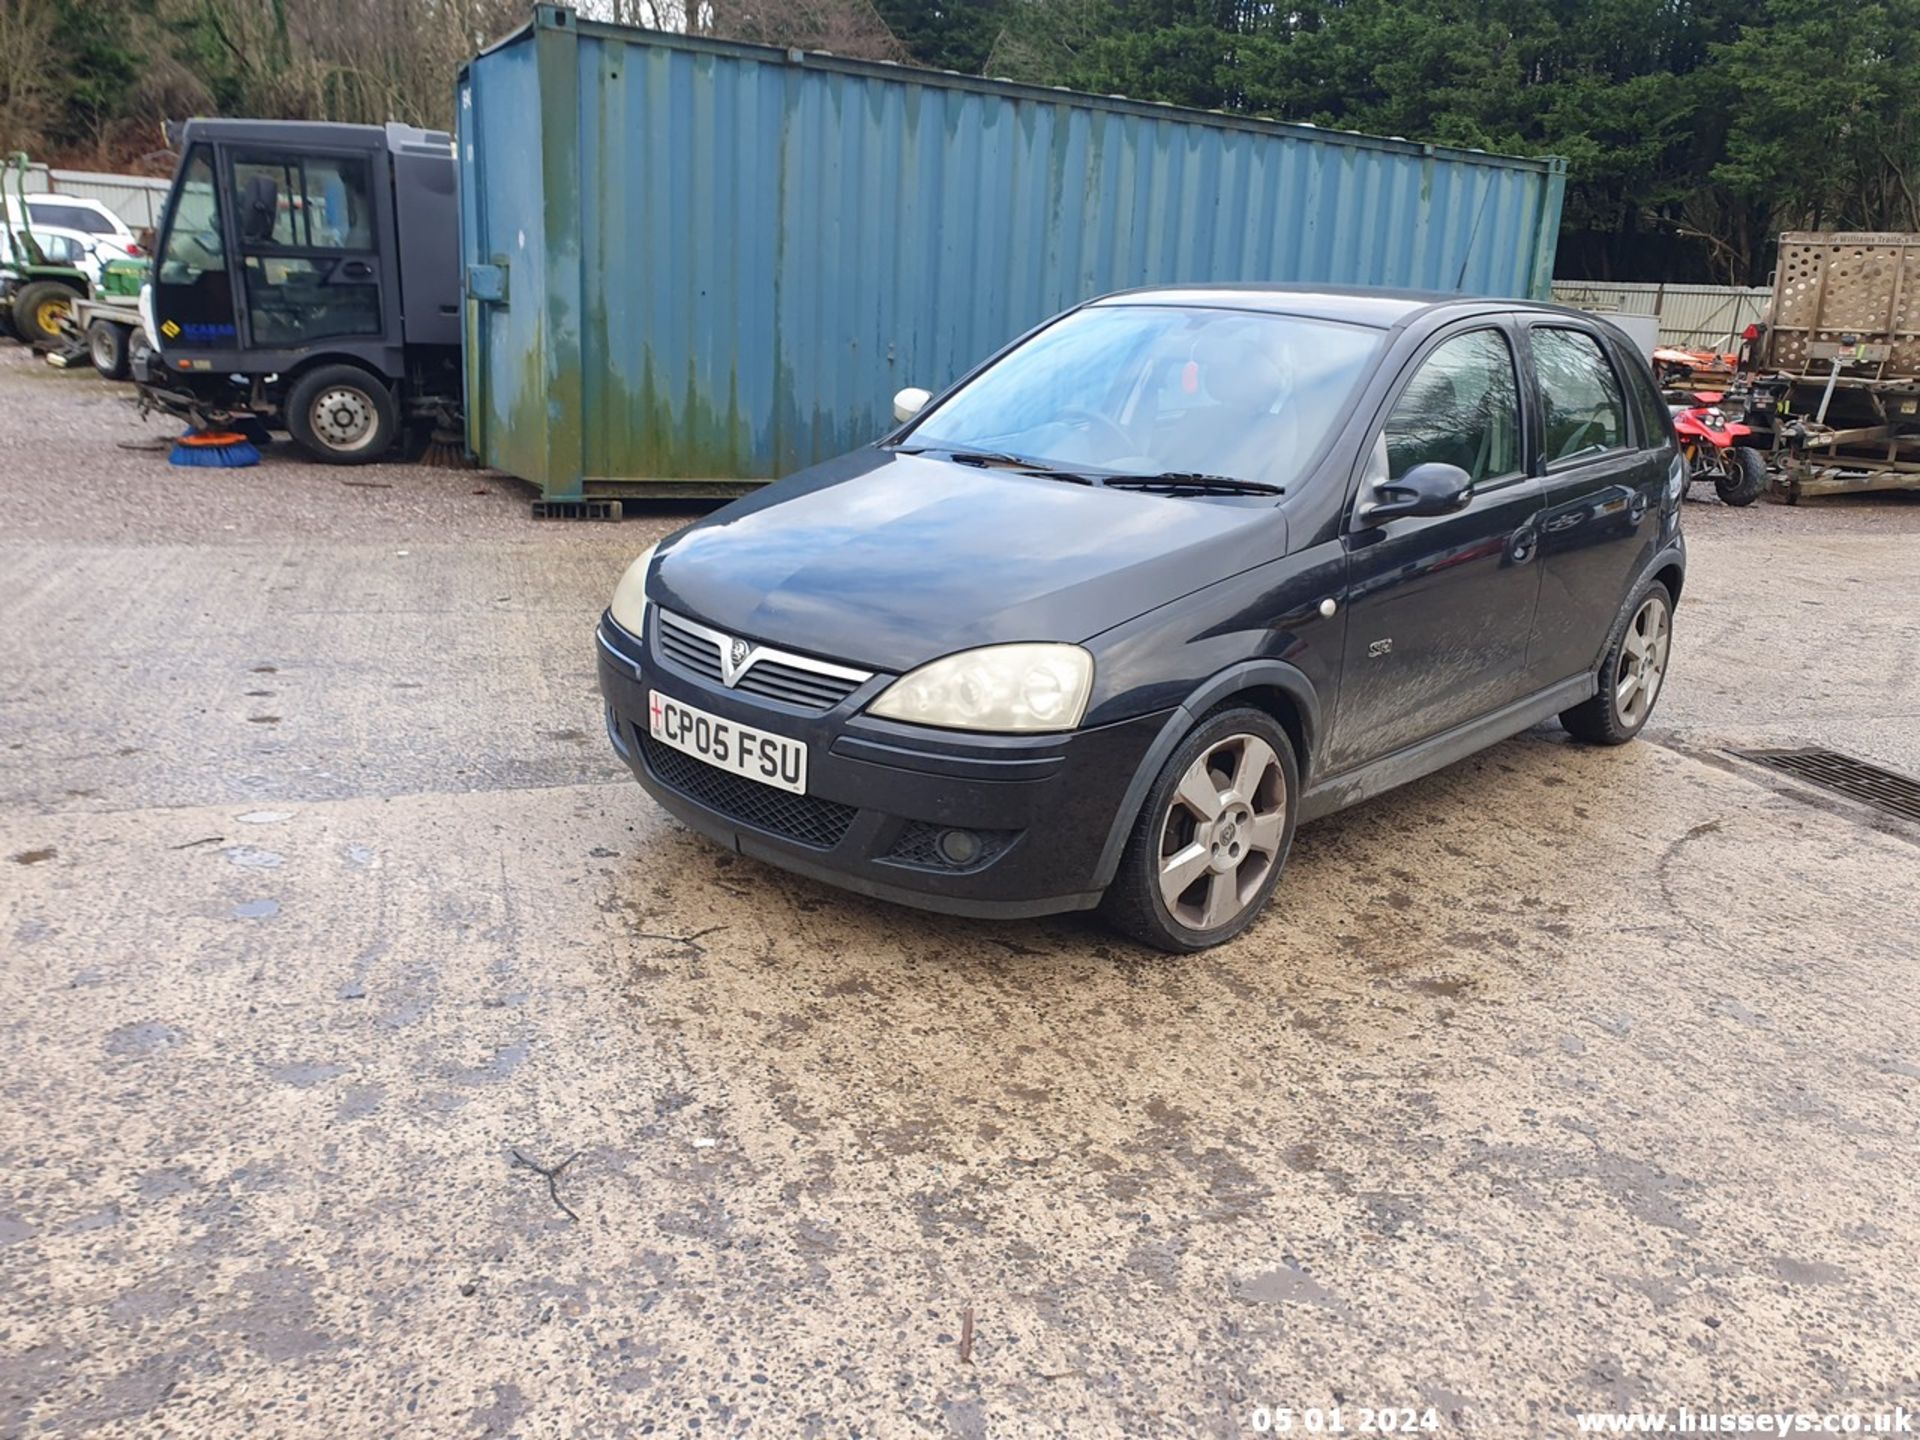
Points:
x=342 y=415
x=1212 y=838
x=1634 y=669
x=1742 y=476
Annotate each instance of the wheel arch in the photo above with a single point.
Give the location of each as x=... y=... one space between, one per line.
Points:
x=308 y=364
x=1281 y=690
x=1672 y=575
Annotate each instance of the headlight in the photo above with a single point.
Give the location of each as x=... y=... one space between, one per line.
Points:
x=999 y=687
x=630 y=595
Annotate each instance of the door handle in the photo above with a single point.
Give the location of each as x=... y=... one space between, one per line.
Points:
x=1327 y=608
x=357 y=270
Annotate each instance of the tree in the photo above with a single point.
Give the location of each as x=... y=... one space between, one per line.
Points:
x=1827 y=123
x=29 y=96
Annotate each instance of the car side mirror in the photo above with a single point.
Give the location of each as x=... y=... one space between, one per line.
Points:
x=910 y=402
x=1432 y=487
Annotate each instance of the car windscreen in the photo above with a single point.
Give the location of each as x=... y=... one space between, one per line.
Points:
x=69 y=217
x=1155 y=389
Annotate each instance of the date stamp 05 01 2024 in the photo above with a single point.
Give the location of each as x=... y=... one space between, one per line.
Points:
x=1342 y=1420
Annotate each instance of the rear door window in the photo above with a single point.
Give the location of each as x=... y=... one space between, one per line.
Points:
x=1583 y=410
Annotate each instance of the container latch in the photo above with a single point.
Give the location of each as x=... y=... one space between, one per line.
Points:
x=488 y=282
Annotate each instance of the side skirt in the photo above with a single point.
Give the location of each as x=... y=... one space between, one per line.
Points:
x=1378 y=776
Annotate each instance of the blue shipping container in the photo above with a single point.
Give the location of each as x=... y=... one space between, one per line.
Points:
x=692 y=263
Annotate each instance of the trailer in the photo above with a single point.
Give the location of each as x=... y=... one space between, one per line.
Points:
x=107 y=332
x=692 y=266
x=1831 y=377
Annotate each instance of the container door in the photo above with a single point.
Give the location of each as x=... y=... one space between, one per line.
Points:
x=511 y=342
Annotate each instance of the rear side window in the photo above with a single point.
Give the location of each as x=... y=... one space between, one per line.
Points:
x=1580 y=397
x=1649 y=409
x=69 y=217
x=1462 y=407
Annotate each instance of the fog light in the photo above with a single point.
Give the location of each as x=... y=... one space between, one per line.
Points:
x=959 y=847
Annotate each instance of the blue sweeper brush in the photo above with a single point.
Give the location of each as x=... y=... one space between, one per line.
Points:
x=219 y=449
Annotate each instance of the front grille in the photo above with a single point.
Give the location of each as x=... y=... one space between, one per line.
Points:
x=919 y=846
x=1885 y=790
x=806 y=818
x=688 y=650
x=692 y=649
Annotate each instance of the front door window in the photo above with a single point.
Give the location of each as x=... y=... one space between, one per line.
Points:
x=1461 y=408
x=308 y=256
x=193 y=295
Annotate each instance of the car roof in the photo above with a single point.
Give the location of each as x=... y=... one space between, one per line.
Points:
x=1379 y=307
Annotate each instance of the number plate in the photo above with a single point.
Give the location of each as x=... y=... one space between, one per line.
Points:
x=738 y=749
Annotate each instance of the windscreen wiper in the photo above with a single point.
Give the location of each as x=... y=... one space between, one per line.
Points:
x=1000 y=459
x=1192 y=482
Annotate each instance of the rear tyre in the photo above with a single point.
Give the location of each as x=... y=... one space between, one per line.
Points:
x=343 y=415
x=40 y=309
x=1209 y=844
x=108 y=349
x=1631 y=674
x=1742 y=476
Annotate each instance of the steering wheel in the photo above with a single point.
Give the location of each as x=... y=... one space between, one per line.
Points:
x=1123 y=441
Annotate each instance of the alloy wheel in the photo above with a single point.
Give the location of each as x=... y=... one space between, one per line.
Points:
x=1221 y=835
x=1643 y=661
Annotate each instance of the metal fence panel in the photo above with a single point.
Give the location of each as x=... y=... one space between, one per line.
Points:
x=721 y=260
x=1698 y=317
x=136 y=199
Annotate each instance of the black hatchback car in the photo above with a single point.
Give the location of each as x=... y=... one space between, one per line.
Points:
x=1171 y=574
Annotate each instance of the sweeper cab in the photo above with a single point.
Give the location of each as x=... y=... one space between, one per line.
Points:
x=306 y=277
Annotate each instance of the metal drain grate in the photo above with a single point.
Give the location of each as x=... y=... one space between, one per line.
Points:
x=1844 y=775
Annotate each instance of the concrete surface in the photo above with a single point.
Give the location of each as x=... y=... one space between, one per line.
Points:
x=1561 y=1080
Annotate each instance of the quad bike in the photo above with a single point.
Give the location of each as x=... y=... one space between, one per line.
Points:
x=1716 y=445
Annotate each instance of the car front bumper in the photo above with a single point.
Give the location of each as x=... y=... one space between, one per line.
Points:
x=881 y=796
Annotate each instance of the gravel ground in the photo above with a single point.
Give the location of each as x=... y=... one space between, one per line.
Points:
x=379 y=1060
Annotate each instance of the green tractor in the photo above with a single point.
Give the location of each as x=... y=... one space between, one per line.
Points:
x=44 y=278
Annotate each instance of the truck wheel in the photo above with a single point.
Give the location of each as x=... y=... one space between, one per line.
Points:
x=1742 y=476
x=40 y=309
x=107 y=345
x=342 y=415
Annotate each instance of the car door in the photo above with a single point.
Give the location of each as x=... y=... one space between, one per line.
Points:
x=309 y=261
x=1601 y=483
x=192 y=291
x=1440 y=607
